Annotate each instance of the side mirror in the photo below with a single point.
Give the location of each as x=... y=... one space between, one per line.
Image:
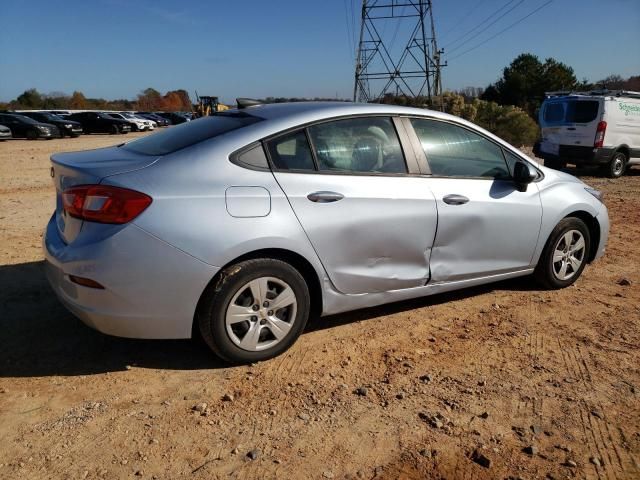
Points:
x=523 y=175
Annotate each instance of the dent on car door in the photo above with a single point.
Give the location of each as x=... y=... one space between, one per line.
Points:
x=371 y=224
x=485 y=224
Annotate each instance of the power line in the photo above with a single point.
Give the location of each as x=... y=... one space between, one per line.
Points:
x=351 y=44
x=503 y=30
x=462 y=19
x=487 y=27
x=481 y=23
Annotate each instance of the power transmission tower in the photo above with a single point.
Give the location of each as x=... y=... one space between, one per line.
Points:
x=413 y=70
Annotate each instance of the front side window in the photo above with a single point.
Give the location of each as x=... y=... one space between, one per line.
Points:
x=454 y=151
x=366 y=145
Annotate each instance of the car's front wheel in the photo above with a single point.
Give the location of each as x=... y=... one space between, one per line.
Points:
x=565 y=254
x=254 y=311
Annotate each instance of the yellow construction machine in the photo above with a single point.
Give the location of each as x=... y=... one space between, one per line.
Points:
x=208 y=105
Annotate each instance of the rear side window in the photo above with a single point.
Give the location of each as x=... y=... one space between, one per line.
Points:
x=291 y=152
x=189 y=133
x=454 y=151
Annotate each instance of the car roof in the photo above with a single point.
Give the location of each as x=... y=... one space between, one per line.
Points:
x=333 y=109
x=283 y=116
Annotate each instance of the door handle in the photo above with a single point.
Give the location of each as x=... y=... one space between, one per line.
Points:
x=325 y=197
x=455 y=199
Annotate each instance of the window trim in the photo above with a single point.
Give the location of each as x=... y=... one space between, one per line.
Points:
x=409 y=156
x=499 y=145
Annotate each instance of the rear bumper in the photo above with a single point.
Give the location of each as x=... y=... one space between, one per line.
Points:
x=151 y=288
x=577 y=155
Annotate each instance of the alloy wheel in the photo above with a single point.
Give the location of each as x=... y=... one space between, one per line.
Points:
x=261 y=313
x=568 y=255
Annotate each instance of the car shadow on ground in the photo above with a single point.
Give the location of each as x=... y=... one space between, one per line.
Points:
x=41 y=338
x=597 y=172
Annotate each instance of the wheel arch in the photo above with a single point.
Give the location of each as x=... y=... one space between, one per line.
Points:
x=624 y=148
x=594 y=231
x=294 y=259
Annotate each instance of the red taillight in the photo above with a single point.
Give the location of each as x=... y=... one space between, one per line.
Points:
x=104 y=204
x=599 y=140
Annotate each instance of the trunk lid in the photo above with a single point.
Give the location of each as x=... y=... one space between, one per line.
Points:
x=569 y=121
x=89 y=167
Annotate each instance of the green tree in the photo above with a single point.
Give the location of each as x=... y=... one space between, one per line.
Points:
x=30 y=99
x=526 y=79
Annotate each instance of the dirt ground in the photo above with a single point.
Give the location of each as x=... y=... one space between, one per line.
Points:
x=503 y=381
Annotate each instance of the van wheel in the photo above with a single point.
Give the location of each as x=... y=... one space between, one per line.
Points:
x=254 y=311
x=617 y=165
x=555 y=164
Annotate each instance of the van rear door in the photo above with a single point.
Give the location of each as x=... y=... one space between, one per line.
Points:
x=569 y=121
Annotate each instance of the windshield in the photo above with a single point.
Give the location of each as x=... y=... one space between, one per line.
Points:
x=24 y=118
x=190 y=133
x=111 y=115
x=51 y=117
x=128 y=115
x=571 y=111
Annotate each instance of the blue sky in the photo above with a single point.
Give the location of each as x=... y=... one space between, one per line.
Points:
x=116 y=48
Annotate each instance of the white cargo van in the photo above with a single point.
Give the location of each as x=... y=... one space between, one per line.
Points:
x=592 y=128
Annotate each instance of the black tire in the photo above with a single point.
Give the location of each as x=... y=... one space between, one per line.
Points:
x=32 y=135
x=617 y=165
x=555 y=164
x=62 y=133
x=114 y=130
x=544 y=272
x=216 y=299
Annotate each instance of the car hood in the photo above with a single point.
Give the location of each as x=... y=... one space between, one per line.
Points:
x=553 y=176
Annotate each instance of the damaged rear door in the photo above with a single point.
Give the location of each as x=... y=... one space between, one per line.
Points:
x=371 y=221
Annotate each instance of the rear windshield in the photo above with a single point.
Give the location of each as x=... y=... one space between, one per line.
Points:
x=190 y=133
x=571 y=111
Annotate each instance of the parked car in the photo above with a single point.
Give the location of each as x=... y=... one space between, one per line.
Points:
x=98 y=122
x=65 y=126
x=25 y=127
x=161 y=121
x=174 y=118
x=137 y=124
x=593 y=128
x=5 y=133
x=239 y=225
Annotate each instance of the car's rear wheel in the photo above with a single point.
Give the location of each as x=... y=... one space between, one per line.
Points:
x=565 y=254
x=254 y=311
x=114 y=130
x=617 y=165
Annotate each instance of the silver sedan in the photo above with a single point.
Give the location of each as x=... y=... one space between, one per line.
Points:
x=239 y=226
